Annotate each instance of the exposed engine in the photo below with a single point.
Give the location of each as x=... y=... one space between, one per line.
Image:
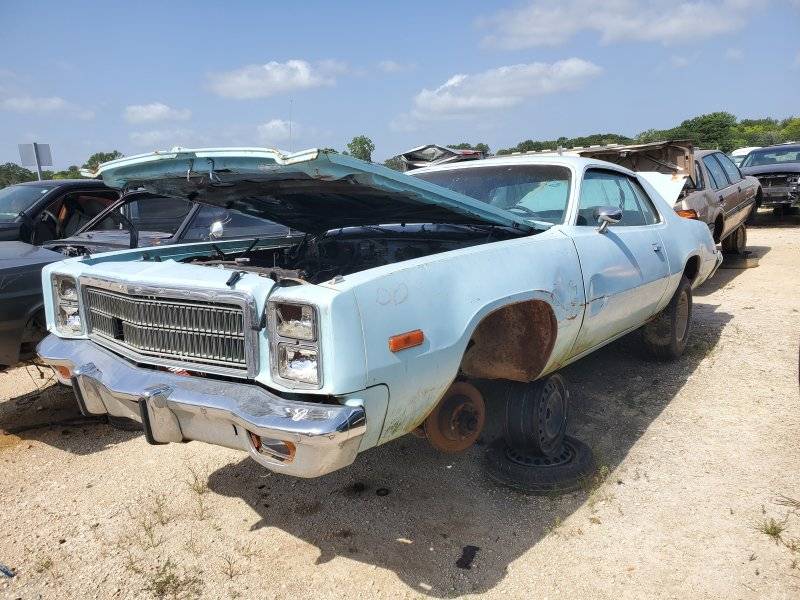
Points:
x=350 y=250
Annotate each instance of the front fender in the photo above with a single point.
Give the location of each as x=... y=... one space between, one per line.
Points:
x=446 y=296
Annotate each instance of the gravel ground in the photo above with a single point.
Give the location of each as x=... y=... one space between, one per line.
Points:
x=697 y=464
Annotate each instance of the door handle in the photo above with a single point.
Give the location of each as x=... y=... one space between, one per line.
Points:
x=656 y=248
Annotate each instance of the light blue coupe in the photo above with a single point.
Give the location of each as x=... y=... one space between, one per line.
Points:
x=371 y=320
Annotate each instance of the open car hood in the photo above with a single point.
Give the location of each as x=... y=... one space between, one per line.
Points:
x=310 y=191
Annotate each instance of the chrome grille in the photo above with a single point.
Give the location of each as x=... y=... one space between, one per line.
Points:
x=183 y=330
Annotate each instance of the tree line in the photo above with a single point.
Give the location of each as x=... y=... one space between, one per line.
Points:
x=718 y=130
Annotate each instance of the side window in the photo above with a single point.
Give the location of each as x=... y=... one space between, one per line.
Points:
x=716 y=172
x=731 y=169
x=158 y=215
x=649 y=211
x=234 y=224
x=65 y=216
x=608 y=188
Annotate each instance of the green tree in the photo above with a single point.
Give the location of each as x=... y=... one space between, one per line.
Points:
x=100 y=157
x=72 y=172
x=361 y=147
x=11 y=173
x=394 y=163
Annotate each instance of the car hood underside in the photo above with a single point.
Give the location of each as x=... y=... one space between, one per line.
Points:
x=310 y=191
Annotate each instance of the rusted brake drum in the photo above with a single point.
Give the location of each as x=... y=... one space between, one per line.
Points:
x=457 y=421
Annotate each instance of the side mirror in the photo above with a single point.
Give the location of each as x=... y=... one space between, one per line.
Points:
x=216 y=230
x=605 y=216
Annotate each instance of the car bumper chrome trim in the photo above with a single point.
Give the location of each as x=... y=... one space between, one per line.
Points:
x=177 y=408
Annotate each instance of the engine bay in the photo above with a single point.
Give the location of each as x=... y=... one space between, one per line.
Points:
x=318 y=258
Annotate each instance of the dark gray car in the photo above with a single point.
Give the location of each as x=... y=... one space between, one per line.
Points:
x=778 y=170
x=40 y=211
x=22 y=322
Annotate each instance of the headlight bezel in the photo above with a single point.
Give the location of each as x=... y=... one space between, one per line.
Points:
x=62 y=300
x=278 y=341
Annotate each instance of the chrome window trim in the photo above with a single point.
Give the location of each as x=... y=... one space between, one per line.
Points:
x=241 y=299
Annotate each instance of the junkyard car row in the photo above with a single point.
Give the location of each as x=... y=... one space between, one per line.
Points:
x=400 y=290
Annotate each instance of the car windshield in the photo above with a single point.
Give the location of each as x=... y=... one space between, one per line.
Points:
x=772 y=156
x=538 y=192
x=16 y=198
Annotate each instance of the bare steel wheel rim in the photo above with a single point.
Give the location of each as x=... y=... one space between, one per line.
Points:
x=531 y=459
x=552 y=416
x=682 y=316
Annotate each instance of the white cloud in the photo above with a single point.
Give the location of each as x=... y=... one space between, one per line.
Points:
x=260 y=81
x=503 y=87
x=274 y=131
x=544 y=23
x=43 y=105
x=496 y=89
x=156 y=139
x=392 y=66
x=155 y=111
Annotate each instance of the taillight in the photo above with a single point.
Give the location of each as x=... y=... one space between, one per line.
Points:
x=687 y=214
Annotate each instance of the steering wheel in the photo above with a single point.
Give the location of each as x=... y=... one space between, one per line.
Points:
x=47 y=213
x=524 y=210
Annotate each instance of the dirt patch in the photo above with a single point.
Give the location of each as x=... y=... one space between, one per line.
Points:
x=696 y=494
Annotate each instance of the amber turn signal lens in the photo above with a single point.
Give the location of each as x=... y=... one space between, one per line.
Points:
x=64 y=372
x=688 y=214
x=406 y=340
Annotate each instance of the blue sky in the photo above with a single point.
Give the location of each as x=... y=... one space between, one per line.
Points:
x=137 y=76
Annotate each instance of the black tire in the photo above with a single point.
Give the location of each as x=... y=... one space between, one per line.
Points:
x=535 y=415
x=666 y=335
x=777 y=211
x=124 y=424
x=751 y=217
x=736 y=242
x=534 y=474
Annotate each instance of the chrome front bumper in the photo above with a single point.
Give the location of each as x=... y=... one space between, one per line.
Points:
x=175 y=408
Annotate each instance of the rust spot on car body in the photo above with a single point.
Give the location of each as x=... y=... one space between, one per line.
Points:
x=513 y=342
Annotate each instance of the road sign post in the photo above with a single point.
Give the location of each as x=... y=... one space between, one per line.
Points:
x=35 y=155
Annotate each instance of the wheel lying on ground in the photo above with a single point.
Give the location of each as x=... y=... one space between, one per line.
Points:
x=736 y=242
x=535 y=415
x=532 y=473
x=666 y=335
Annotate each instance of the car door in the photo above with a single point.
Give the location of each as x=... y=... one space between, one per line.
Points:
x=736 y=211
x=625 y=268
x=727 y=195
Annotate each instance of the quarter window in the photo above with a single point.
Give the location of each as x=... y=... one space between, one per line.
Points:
x=715 y=172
